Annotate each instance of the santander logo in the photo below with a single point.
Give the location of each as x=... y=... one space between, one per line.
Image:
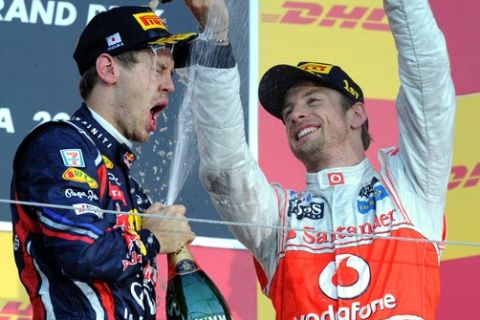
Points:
x=345 y=278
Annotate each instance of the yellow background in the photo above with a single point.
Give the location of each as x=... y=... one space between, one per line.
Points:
x=463 y=205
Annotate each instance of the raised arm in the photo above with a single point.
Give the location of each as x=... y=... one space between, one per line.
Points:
x=237 y=186
x=426 y=101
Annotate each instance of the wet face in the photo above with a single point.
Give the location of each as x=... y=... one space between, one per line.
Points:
x=142 y=92
x=315 y=122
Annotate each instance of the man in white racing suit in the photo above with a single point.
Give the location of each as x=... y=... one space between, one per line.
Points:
x=333 y=251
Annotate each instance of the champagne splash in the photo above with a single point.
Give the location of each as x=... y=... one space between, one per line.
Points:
x=185 y=155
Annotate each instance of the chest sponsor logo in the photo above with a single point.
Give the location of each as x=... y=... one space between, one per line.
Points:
x=312 y=236
x=113 y=178
x=72 y=158
x=358 y=311
x=345 y=278
x=82 y=208
x=90 y=195
x=116 y=193
x=348 y=277
x=305 y=209
x=369 y=195
x=77 y=175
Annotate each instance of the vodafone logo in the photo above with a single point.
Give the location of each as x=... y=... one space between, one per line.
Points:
x=345 y=278
x=335 y=178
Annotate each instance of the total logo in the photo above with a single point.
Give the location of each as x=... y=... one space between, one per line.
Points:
x=338 y=15
x=345 y=278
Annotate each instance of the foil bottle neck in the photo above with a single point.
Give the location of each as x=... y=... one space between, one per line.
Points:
x=181 y=262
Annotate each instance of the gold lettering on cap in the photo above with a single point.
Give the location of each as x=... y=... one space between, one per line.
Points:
x=149 y=20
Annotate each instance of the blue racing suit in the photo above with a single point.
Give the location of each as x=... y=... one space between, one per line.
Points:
x=79 y=262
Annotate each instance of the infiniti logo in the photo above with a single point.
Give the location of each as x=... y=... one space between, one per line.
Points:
x=345 y=278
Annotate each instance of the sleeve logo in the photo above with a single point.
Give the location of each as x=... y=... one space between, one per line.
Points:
x=77 y=175
x=72 y=158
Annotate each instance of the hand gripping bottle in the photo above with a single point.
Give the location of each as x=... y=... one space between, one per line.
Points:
x=191 y=294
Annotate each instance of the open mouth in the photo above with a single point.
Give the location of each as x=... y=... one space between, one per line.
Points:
x=154 y=113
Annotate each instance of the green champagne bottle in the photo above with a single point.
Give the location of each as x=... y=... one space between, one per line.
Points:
x=191 y=294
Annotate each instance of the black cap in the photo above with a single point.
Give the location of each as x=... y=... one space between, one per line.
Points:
x=278 y=79
x=122 y=29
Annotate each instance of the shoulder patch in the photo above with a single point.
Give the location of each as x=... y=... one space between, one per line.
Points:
x=72 y=158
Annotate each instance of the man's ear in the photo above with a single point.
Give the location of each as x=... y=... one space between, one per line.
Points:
x=358 y=115
x=107 y=68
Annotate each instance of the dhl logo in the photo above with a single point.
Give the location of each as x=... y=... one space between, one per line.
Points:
x=16 y=310
x=317 y=67
x=149 y=21
x=337 y=15
x=462 y=176
x=77 y=175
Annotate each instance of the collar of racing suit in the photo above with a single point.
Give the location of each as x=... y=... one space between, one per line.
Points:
x=331 y=177
x=109 y=128
x=106 y=142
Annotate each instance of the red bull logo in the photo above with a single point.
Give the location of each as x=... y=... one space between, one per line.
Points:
x=128 y=159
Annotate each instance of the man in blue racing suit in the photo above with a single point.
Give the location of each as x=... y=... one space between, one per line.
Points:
x=76 y=258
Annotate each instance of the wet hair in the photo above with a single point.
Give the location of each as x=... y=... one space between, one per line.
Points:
x=90 y=77
x=366 y=137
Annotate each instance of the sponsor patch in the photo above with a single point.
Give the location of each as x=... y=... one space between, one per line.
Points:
x=114 y=41
x=304 y=206
x=90 y=195
x=108 y=162
x=149 y=20
x=82 y=208
x=369 y=195
x=335 y=178
x=72 y=158
x=116 y=193
x=77 y=175
x=128 y=159
x=317 y=67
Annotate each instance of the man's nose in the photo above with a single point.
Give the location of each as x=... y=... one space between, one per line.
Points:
x=167 y=85
x=298 y=113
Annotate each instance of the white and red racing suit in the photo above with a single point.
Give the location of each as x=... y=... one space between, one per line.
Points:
x=338 y=257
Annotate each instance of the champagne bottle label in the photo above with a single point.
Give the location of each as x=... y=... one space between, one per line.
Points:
x=191 y=294
x=186 y=266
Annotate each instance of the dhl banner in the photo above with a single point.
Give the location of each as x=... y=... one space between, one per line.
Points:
x=354 y=34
